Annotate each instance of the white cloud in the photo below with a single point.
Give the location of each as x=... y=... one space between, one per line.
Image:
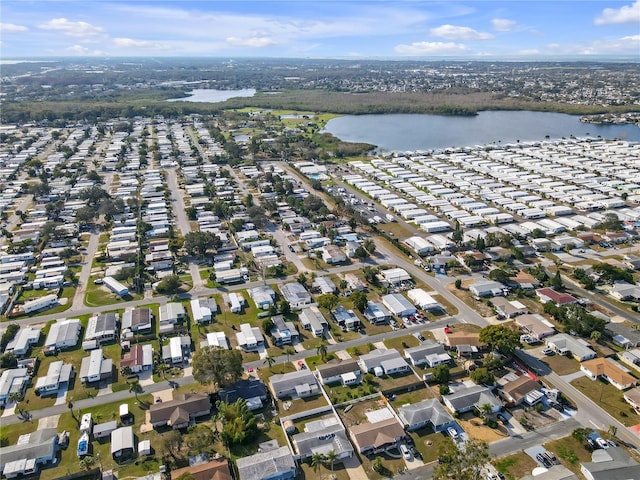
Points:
x=120 y=42
x=11 y=28
x=83 y=51
x=529 y=51
x=431 y=48
x=453 y=32
x=503 y=24
x=251 y=42
x=628 y=45
x=624 y=14
x=72 y=29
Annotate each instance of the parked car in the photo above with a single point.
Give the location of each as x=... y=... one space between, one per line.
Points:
x=453 y=433
x=419 y=337
x=405 y=452
x=548 y=351
x=447 y=330
x=502 y=418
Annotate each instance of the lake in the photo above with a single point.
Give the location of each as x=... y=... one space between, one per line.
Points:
x=209 y=95
x=401 y=132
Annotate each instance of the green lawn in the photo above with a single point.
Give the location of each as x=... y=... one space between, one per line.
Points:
x=100 y=296
x=570 y=452
x=515 y=466
x=561 y=365
x=609 y=398
x=289 y=407
x=400 y=343
x=428 y=442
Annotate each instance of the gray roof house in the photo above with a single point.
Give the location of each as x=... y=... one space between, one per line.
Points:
x=283 y=333
x=312 y=319
x=611 y=464
x=468 y=398
x=102 y=328
x=63 y=334
x=57 y=377
x=377 y=313
x=95 y=367
x=323 y=436
x=563 y=343
x=268 y=464
x=263 y=296
x=346 y=372
x=428 y=413
x=295 y=294
x=30 y=452
x=14 y=380
x=21 y=343
x=122 y=444
x=299 y=384
x=383 y=361
x=398 y=305
x=429 y=352
x=486 y=288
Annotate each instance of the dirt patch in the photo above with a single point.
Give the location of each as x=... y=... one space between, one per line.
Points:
x=535 y=419
x=466 y=296
x=475 y=429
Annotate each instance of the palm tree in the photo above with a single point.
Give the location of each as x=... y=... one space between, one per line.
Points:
x=317 y=460
x=269 y=360
x=485 y=410
x=332 y=456
x=321 y=349
x=288 y=352
x=135 y=388
x=162 y=368
x=612 y=430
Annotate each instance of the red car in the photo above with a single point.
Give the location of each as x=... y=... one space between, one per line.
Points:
x=447 y=330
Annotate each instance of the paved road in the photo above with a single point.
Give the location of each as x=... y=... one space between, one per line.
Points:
x=182 y=221
x=85 y=272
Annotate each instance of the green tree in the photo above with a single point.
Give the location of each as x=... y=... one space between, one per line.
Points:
x=441 y=374
x=369 y=245
x=458 y=284
x=285 y=307
x=135 y=388
x=501 y=338
x=172 y=443
x=321 y=349
x=317 y=461
x=288 y=352
x=269 y=360
x=198 y=243
x=332 y=456
x=556 y=281
x=239 y=425
x=595 y=336
x=217 y=366
x=461 y=463
x=169 y=285
x=359 y=299
x=328 y=301
x=457 y=235
x=482 y=376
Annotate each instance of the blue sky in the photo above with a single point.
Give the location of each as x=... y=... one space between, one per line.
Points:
x=321 y=28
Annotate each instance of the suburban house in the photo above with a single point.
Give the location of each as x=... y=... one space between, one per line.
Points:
x=521 y=389
x=177 y=351
x=465 y=343
x=136 y=320
x=324 y=435
x=429 y=352
x=347 y=319
x=178 y=412
x=467 y=399
x=623 y=335
x=609 y=370
x=296 y=295
x=612 y=463
x=353 y=282
x=170 y=314
x=270 y=463
x=398 y=305
x=381 y=433
x=252 y=391
x=563 y=343
x=58 y=376
x=323 y=285
x=312 y=319
x=249 y=338
x=62 y=335
x=487 y=288
x=283 y=333
x=548 y=294
x=333 y=254
x=138 y=359
x=31 y=451
x=208 y=470
x=203 y=310
x=122 y=444
x=104 y=430
x=21 y=343
x=95 y=367
x=423 y=300
x=428 y=413
x=509 y=308
x=624 y=291
x=14 y=380
x=535 y=325
x=215 y=339
x=264 y=296
x=632 y=397
x=298 y=384
x=523 y=280
x=383 y=362
x=345 y=372
x=394 y=276
x=101 y=328
x=377 y=313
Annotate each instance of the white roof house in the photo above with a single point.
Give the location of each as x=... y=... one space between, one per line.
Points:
x=95 y=367
x=249 y=338
x=203 y=309
x=394 y=276
x=423 y=300
x=398 y=305
x=21 y=343
x=215 y=339
x=57 y=376
x=40 y=303
x=13 y=380
x=63 y=334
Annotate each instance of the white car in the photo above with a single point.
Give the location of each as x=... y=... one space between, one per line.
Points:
x=405 y=452
x=453 y=433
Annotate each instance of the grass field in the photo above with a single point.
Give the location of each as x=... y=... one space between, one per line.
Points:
x=515 y=466
x=609 y=398
x=570 y=452
x=561 y=364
